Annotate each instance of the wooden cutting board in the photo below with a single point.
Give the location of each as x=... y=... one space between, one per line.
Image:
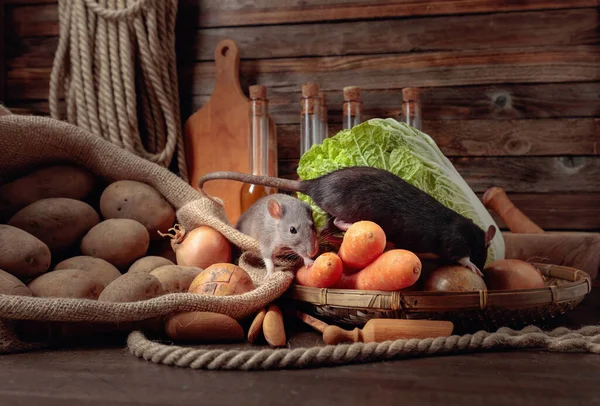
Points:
x=216 y=136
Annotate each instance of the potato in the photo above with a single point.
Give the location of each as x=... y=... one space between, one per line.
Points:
x=22 y=254
x=67 y=283
x=512 y=274
x=222 y=279
x=175 y=278
x=118 y=241
x=453 y=278
x=203 y=327
x=148 y=264
x=10 y=285
x=96 y=267
x=132 y=288
x=59 y=222
x=138 y=201
x=70 y=181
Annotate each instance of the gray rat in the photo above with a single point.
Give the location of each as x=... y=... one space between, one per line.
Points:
x=280 y=222
x=410 y=218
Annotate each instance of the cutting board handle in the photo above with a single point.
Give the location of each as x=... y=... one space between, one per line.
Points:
x=227 y=61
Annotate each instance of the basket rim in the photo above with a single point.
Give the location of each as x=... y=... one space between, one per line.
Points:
x=579 y=284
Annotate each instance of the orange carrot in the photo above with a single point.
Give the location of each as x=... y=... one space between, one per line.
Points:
x=393 y=270
x=363 y=242
x=325 y=272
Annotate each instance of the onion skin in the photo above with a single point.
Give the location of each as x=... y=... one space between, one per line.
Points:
x=200 y=247
x=453 y=278
x=512 y=274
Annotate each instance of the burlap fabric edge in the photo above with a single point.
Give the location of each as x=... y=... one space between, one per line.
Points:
x=28 y=142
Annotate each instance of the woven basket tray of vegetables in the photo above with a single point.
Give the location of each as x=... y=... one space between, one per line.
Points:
x=429 y=234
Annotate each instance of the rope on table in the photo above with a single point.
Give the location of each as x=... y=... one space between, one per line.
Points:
x=559 y=340
x=112 y=56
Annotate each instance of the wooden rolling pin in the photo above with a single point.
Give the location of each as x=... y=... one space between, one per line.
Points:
x=495 y=198
x=378 y=330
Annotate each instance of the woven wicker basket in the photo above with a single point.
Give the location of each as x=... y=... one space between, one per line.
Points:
x=488 y=310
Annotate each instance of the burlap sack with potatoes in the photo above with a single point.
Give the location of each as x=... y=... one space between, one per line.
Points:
x=27 y=142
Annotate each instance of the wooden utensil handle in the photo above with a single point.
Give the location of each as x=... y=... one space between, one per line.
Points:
x=311 y=321
x=496 y=199
x=227 y=62
x=379 y=330
x=333 y=335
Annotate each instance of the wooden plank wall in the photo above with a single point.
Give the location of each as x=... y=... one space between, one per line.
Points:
x=511 y=89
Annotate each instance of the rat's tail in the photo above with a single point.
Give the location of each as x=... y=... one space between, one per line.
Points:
x=278 y=183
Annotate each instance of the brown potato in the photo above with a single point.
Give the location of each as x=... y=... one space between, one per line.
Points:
x=96 y=267
x=138 y=201
x=453 y=278
x=10 y=285
x=59 y=222
x=71 y=283
x=118 y=241
x=148 y=264
x=203 y=327
x=222 y=279
x=22 y=254
x=175 y=278
x=70 y=181
x=132 y=288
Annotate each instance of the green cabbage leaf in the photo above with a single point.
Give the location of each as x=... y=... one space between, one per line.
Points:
x=407 y=152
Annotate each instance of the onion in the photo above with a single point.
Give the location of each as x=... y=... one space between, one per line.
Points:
x=201 y=247
x=453 y=278
x=512 y=274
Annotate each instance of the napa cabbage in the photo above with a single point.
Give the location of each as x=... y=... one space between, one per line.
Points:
x=407 y=152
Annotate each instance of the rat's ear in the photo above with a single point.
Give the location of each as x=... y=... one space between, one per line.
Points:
x=489 y=235
x=275 y=209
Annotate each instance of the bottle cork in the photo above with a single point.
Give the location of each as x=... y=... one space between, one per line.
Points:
x=258 y=99
x=352 y=103
x=351 y=93
x=258 y=92
x=411 y=93
x=310 y=97
x=310 y=90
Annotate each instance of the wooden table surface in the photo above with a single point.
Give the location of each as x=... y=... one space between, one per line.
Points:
x=109 y=375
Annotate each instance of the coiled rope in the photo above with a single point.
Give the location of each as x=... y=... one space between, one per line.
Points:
x=115 y=65
x=558 y=340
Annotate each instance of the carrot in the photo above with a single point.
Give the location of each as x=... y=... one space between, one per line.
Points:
x=363 y=242
x=393 y=270
x=325 y=272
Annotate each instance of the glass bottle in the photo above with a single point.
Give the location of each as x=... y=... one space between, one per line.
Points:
x=352 y=107
x=262 y=147
x=324 y=117
x=310 y=123
x=411 y=107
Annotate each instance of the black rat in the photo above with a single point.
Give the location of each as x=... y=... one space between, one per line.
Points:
x=280 y=222
x=410 y=218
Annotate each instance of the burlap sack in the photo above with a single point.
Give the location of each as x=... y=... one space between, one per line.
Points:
x=28 y=142
x=580 y=250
